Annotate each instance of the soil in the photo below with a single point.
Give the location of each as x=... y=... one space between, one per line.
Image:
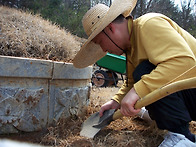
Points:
x=124 y=132
x=118 y=133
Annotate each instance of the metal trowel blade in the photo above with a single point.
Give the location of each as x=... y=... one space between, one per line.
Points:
x=95 y=123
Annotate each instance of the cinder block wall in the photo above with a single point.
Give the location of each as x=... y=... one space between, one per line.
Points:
x=36 y=93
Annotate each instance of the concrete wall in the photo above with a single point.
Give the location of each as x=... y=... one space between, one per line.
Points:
x=36 y=93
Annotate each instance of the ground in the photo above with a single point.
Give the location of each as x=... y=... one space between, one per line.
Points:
x=123 y=132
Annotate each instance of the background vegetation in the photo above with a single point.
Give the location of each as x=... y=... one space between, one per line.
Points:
x=68 y=13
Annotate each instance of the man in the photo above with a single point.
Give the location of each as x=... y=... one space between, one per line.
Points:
x=157 y=50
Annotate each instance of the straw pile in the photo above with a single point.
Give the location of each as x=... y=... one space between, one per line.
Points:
x=25 y=35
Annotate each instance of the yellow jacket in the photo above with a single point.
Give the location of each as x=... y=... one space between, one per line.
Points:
x=160 y=40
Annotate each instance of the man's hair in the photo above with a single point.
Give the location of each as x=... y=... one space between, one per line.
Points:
x=119 y=19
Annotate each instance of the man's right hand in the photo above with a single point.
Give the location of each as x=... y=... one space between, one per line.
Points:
x=109 y=105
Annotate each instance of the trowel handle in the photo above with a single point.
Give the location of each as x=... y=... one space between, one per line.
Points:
x=165 y=91
x=160 y=93
x=184 y=81
x=117 y=115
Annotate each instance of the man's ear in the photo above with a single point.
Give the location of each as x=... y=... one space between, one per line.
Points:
x=111 y=28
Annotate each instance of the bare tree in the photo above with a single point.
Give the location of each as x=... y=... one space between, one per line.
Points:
x=186 y=12
x=10 y=3
x=142 y=7
x=106 y=2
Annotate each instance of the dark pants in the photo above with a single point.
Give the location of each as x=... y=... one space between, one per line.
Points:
x=171 y=112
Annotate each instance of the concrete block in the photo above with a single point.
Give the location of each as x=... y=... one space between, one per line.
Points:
x=67 y=102
x=36 y=93
x=25 y=67
x=23 y=104
x=68 y=71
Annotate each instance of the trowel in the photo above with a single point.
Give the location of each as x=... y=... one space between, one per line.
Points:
x=94 y=123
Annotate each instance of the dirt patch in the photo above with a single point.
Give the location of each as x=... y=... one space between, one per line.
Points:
x=123 y=132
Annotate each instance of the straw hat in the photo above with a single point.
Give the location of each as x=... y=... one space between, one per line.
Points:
x=94 y=21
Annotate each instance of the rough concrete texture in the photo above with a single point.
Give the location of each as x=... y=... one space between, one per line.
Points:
x=36 y=93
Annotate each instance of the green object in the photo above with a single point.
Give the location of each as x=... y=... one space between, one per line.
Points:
x=113 y=62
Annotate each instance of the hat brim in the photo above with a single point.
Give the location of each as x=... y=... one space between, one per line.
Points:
x=91 y=52
x=84 y=56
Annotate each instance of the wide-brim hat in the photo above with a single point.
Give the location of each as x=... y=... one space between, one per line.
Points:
x=94 y=21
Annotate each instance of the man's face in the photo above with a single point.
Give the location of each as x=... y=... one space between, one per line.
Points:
x=108 y=41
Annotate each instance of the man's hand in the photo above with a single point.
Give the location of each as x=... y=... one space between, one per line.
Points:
x=109 y=105
x=128 y=103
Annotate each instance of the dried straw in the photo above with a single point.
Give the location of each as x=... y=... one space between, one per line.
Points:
x=25 y=35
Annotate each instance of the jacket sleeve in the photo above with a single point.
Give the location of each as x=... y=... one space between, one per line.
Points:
x=125 y=88
x=166 y=48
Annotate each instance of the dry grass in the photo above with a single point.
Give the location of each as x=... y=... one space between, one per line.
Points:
x=26 y=35
x=124 y=132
